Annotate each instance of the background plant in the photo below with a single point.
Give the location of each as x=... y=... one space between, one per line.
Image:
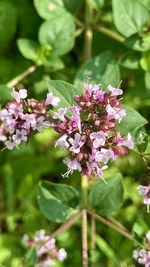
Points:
x=40 y=49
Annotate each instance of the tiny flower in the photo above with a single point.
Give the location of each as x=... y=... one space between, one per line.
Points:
x=115 y=91
x=21 y=135
x=9 y=144
x=115 y=113
x=128 y=142
x=135 y=254
x=98 y=138
x=62 y=254
x=19 y=95
x=62 y=142
x=104 y=155
x=76 y=143
x=41 y=124
x=145 y=192
x=72 y=165
x=60 y=114
x=52 y=100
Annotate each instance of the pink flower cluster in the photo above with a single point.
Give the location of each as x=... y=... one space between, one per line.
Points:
x=89 y=130
x=21 y=117
x=145 y=192
x=46 y=249
x=142 y=255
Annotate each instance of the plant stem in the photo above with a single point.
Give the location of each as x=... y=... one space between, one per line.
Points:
x=114 y=35
x=93 y=233
x=67 y=224
x=88 y=32
x=110 y=224
x=84 y=239
x=20 y=77
x=118 y=224
x=84 y=188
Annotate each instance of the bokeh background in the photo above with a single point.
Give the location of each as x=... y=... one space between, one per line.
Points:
x=51 y=37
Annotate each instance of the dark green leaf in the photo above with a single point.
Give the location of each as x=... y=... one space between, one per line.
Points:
x=49 y=9
x=143 y=141
x=130 y=60
x=147 y=80
x=59 y=32
x=102 y=69
x=28 y=48
x=73 y=5
x=64 y=91
x=5 y=93
x=132 y=122
x=31 y=257
x=106 y=198
x=129 y=16
x=8 y=22
x=139 y=43
x=57 y=201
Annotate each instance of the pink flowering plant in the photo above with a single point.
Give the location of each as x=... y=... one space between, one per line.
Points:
x=94 y=130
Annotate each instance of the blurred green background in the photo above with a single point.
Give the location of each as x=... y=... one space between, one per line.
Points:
x=51 y=36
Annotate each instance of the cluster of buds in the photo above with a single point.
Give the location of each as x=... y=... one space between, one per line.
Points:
x=89 y=130
x=145 y=192
x=142 y=255
x=46 y=249
x=21 y=117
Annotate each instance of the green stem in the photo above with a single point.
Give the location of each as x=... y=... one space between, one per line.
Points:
x=114 y=35
x=84 y=188
x=88 y=32
x=93 y=236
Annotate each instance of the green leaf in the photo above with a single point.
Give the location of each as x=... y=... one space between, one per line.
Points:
x=106 y=198
x=30 y=257
x=145 y=61
x=147 y=79
x=137 y=42
x=102 y=69
x=64 y=91
x=130 y=60
x=28 y=48
x=132 y=122
x=145 y=3
x=57 y=201
x=97 y=4
x=73 y=5
x=8 y=23
x=143 y=140
x=129 y=16
x=54 y=63
x=49 y=9
x=59 y=32
x=5 y=93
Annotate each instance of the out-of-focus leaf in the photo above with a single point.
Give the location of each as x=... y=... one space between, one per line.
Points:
x=130 y=60
x=54 y=63
x=57 y=201
x=97 y=4
x=64 y=91
x=132 y=122
x=147 y=79
x=145 y=61
x=106 y=198
x=73 y=5
x=143 y=140
x=28 y=48
x=129 y=16
x=4 y=93
x=137 y=42
x=31 y=257
x=102 y=69
x=59 y=32
x=49 y=9
x=107 y=250
x=145 y=3
x=8 y=22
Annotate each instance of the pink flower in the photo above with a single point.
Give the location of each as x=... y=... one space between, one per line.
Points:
x=115 y=91
x=128 y=142
x=62 y=254
x=98 y=138
x=60 y=114
x=115 y=113
x=72 y=165
x=15 y=109
x=9 y=144
x=30 y=121
x=145 y=192
x=105 y=155
x=52 y=100
x=19 y=95
x=21 y=135
x=62 y=141
x=41 y=124
x=76 y=143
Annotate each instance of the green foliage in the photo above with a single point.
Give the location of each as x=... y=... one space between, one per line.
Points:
x=30 y=257
x=129 y=16
x=102 y=68
x=57 y=201
x=64 y=91
x=107 y=197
